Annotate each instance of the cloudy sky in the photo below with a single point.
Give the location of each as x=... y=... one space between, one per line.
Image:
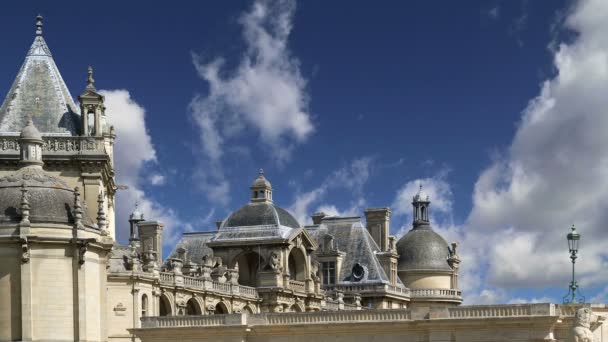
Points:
x=498 y=108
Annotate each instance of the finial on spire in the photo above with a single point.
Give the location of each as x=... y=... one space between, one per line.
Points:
x=261 y=174
x=90 y=80
x=39 y=25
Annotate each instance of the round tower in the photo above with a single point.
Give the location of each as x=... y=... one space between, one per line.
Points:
x=427 y=264
x=53 y=270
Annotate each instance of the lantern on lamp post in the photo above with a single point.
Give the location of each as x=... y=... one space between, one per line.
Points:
x=573 y=240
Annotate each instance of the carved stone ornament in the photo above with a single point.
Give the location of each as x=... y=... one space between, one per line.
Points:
x=581 y=331
x=120 y=310
x=25 y=250
x=274 y=261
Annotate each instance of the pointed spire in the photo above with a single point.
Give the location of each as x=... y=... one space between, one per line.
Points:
x=77 y=209
x=101 y=215
x=90 y=80
x=25 y=207
x=39 y=25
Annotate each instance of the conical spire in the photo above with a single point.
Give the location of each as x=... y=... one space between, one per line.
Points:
x=40 y=92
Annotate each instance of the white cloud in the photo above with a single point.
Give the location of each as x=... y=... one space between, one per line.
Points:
x=352 y=177
x=157 y=179
x=265 y=94
x=555 y=172
x=132 y=151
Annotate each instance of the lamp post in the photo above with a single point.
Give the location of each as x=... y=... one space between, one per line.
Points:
x=573 y=240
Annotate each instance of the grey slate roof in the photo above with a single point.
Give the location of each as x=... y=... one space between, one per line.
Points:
x=118 y=258
x=352 y=238
x=50 y=199
x=260 y=214
x=39 y=91
x=422 y=249
x=195 y=245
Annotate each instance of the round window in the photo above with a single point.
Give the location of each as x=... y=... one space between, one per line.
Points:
x=358 y=272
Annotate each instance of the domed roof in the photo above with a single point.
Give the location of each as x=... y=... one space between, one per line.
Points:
x=260 y=214
x=422 y=249
x=421 y=196
x=261 y=181
x=50 y=199
x=30 y=132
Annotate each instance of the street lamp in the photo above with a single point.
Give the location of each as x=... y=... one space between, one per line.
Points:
x=573 y=240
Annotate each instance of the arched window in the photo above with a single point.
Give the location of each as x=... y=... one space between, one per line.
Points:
x=221 y=309
x=248 y=265
x=164 y=306
x=423 y=213
x=297 y=265
x=192 y=308
x=144 y=305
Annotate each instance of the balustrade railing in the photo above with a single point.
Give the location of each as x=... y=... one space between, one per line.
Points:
x=436 y=293
x=510 y=310
x=370 y=288
x=168 y=278
x=323 y=317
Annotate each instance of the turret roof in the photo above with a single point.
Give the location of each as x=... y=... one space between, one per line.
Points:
x=40 y=92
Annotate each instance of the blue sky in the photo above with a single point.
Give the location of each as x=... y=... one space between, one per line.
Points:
x=347 y=106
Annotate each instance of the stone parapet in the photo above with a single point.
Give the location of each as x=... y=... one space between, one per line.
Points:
x=171 y=279
x=375 y=289
x=436 y=295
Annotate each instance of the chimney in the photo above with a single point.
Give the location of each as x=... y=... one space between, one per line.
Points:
x=378 y=225
x=318 y=217
x=151 y=235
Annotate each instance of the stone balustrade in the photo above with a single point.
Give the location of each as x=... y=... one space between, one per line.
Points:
x=436 y=294
x=510 y=310
x=322 y=317
x=171 y=279
x=358 y=316
x=371 y=288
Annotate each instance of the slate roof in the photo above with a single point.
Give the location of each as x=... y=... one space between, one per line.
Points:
x=260 y=214
x=423 y=249
x=352 y=238
x=195 y=245
x=50 y=199
x=39 y=91
x=120 y=254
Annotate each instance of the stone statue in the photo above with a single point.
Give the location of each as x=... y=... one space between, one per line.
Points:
x=273 y=261
x=582 y=325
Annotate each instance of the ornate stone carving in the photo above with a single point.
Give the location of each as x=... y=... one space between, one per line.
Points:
x=120 y=310
x=274 y=262
x=25 y=250
x=581 y=331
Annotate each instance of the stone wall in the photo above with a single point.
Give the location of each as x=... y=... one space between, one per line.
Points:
x=513 y=323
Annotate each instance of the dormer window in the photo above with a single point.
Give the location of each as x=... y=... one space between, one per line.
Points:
x=329 y=272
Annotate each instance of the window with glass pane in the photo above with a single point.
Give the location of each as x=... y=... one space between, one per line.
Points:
x=329 y=272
